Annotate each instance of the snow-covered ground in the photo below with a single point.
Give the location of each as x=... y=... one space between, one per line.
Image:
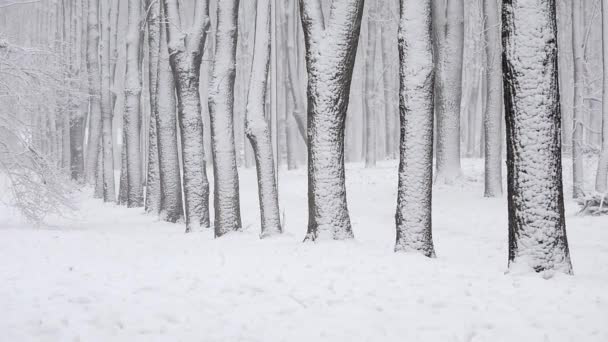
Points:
x=116 y=274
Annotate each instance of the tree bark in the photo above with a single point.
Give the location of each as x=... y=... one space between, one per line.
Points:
x=601 y=181
x=109 y=194
x=413 y=218
x=221 y=110
x=579 y=93
x=537 y=226
x=94 y=90
x=370 y=96
x=330 y=58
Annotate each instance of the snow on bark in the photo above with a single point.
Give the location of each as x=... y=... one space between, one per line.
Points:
x=94 y=91
x=601 y=180
x=370 y=99
x=132 y=112
x=186 y=50
x=123 y=190
x=579 y=94
x=221 y=110
x=537 y=227
x=493 y=111
x=153 y=185
x=330 y=57
x=109 y=194
x=257 y=128
x=416 y=74
x=166 y=123
x=449 y=32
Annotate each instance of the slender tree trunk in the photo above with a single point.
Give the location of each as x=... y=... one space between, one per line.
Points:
x=221 y=110
x=166 y=123
x=386 y=44
x=94 y=90
x=257 y=128
x=413 y=216
x=153 y=185
x=493 y=108
x=601 y=181
x=109 y=194
x=537 y=226
x=579 y=93
x=186 y=49
x=370 y=96
x=450 y=34
x=330 y=58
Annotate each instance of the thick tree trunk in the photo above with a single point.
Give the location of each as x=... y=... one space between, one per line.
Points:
x=537 y=226
x=109 y=194
x=493 y=109
x=256 y=126
x=449 y=31
x=186 y=50
x=166 y=122
x=579 y=94
x=416 y=74
x=601 y=181
x=94 y=91
x=330 y=58
x=221 y=110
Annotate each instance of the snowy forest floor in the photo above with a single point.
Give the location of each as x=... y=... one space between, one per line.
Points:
x=116 y=274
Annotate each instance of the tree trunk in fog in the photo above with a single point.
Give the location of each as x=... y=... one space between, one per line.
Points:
x=80 y=107
x=295 y=89
x=106 y=107
x=123 y=191
x=601 y=181
x=221 y=110
x=416 y=74
x=389 y=122
x=370 y=96
x=94 y=90
x=493 y=110
x=449 y=32
x=132 y=111
x=98 y=190
x=166 y=123
x=330 y=58
x=537 y=226
x=257 y=128
x=153 y=185
x=186 y=51
x=579 y=93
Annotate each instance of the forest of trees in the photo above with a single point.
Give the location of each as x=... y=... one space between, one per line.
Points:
x=137 y=100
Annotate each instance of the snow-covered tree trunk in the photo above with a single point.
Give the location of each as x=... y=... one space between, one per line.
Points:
x=256 y=126
x=109 y=194
x=330 y=58
x=601 y=181
x=186 y=49
x=370 y=96
x=449 y=32
x=579 y=94
x=123 y=190
x=537 y=226
x=133 y=88
x=416 y=74
x=94 y=90
x=221 y=110
x=153 y=185
x=493 y=109
x=166 y=123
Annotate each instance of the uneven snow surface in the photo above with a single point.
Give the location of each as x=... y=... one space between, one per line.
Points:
x=116 y=274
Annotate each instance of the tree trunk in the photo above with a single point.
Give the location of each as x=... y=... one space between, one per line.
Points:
x=257 y=128
x=416 y=74
x=493 y=108
x=370 y=96
x=221 y=110
x=537 y=226
x=186 y=50
x=449 y=31
x=601 y=181
x=166 y=122
x=579 y=93
x=94 y=90
x=109 y=194
x=330 y=58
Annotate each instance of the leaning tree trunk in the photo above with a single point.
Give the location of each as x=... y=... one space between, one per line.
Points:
x=153 y=186
x=186 y=49
x=416 y=74
x=330 y=58
x=109 y=194
x=450 y=34
x=256 y=126
x=579 y=94
x=166 y=123
x=537 y=226
x=133 y=107
x=601 y=181
x=94 y=91
x=493 y=111
x=221 y=110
